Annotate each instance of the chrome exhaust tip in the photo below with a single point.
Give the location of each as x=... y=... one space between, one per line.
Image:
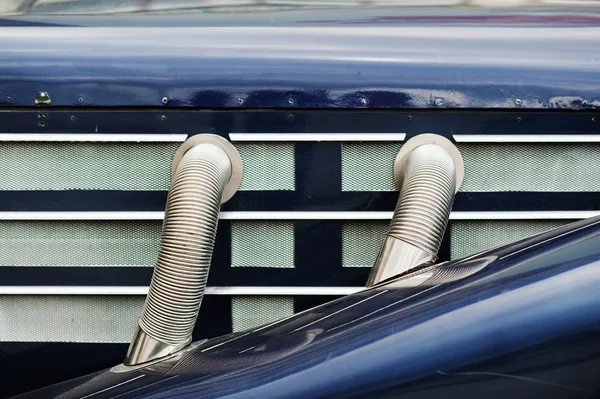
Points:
x=206 y=172
x=429 y=171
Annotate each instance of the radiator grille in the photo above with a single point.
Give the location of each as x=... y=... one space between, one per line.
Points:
x=268 y=166
x=79 y=243
x=361 y=242
x=49 y=318
x=253 y=311
x=366 y=166
x=369 y=166
x=262 y=244
x=469 y=237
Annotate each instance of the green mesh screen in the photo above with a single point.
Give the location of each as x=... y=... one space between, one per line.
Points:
x=268 y=166
x=85 y=166
x=262 y=244
x=361 y=242
x=128 y=166
x=471 y=236
x=488 y=166
x=253 y=311
x=79 y=243
x=531 y=167
x=369 y=166
x=69 y=318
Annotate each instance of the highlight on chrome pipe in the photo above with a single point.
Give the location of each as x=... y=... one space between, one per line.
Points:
x=206 y=172
x=428 y=171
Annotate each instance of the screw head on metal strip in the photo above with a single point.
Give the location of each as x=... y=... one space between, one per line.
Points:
x=42 y=98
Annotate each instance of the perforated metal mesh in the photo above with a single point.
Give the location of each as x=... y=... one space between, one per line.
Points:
x=488 y=166
x=128 y=166
x=253 y=311
x=369 y=166
x=361 y=242
x=268 y=166
x=85 y=166
x=470 y=236
x=79 y=318
x=262 y=244
x=531 y=167
x=79 y=243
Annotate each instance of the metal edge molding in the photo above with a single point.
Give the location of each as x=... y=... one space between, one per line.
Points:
x=143 y=290
x=527 y=138
x=298 y=215
x=83 y=137
x=317 y=136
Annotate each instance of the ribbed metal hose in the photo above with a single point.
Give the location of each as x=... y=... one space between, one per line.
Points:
x=186 y=246
x=426 y=196
x=428 y=171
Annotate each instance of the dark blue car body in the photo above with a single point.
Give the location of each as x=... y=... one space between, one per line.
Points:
x=518 y=321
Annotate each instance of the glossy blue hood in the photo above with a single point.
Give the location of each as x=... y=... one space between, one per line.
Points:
x=351 y=58
x=520 y=320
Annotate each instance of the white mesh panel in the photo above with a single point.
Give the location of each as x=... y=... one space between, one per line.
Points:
x=79 y=243
x=85 y=166
x=531 y=167
x=361 y=242
x=369 y=166
x=65 y=318
x=267 y=166
x=253 y=311
x=557 y=167
x=472 y=236
x=262 y=244
x=128 y=166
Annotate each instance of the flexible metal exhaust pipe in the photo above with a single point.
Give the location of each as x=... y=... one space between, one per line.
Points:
x=429 y=171
x=206 y=172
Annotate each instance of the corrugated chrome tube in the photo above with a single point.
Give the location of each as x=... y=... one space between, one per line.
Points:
x=428 y=171
x=206 y=172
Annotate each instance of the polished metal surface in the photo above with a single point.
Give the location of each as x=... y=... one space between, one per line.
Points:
x=203 y=169
x=393 y=259
x=144 y=348
x=429 y=171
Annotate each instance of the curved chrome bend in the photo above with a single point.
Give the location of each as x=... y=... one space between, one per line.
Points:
x=429 y=171
x=206 y=171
